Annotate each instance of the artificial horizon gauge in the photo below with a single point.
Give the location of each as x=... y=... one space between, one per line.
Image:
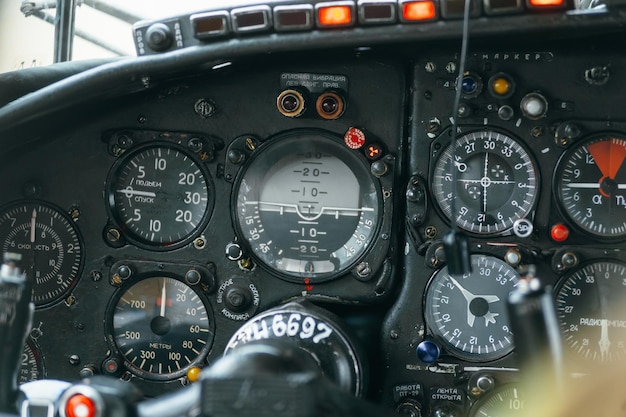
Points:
x=307 y=206
x=468 y=314
x=590 y=185
x=161 y=327
x=591 y=313
x=160 y=196
x=49 y=244
x=496 y=182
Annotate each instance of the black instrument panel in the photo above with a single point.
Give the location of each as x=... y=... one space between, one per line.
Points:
x=166 y=220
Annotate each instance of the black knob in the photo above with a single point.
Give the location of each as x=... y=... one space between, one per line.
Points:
x=159 y=37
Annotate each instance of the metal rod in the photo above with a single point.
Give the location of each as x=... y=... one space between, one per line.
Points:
x=64 y=30
x=114 y=11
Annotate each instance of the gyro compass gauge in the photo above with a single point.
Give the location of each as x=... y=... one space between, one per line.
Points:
x=468 y=313
x=590 y=186
x=496 y=182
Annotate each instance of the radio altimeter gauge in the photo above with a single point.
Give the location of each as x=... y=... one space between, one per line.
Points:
x=590 y=184
x=496 y=182
x=307 y=206
x=590 y=309
x=468 y=314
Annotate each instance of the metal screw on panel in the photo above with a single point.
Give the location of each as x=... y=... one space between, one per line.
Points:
x=394 y=334
x=195 y=144
x=433 y=126
x=199 y=243
x=204 y=108
x=142 y=119
x=70 y=300
x=31 y=190
x=124 y=141
x=430 y=67
x=363 y=270
x=536 y=131
x=251 y=144
x=569 y=260
x=113 y=235
x=74 y=213
x=95 y=276
x=430 y=232
x=74 y=360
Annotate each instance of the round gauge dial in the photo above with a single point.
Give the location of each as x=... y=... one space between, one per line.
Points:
x=49 y=244
x=590 y=183
x=496 y=182
x=590 y=309
x=160 y=196
x=161 y=327
x=468 y=314
x=31 y=367
x=307 y=206
x=504 y=401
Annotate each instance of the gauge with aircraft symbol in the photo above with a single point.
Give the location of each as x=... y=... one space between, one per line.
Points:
x=468 y=313
x=307 y=206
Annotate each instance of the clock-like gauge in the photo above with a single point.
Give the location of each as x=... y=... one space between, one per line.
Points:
x=496 y=182
x=49 y=244
x=160 y=196
x=32 y=366
x=590 y=309
x=590 y=185
x=468 y=314
x=307 y=206
x=161 y=327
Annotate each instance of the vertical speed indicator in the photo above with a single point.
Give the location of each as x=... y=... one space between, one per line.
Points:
x=160 y=196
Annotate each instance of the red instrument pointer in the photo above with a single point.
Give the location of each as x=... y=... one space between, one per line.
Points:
x=609 y=155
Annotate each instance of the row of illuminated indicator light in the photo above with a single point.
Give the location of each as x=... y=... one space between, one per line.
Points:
x=350 y=13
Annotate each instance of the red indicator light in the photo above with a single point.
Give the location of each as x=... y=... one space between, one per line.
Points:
x=80 y=405
x=546 y=3
x=354 y=138
x=559 y=232
x=419 y=11
x=334 y=16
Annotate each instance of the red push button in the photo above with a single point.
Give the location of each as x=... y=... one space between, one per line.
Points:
x=80 y=405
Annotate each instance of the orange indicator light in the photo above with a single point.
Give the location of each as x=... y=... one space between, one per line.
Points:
x=193 y=374
x=547 y=3
x=419 y=10
x=335 y=16
x=501 y=86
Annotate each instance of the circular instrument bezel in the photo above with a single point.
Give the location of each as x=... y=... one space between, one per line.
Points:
x=63 y=284
x=139 y=236
x=268 y=161
x=580 y=218
x=457 y=323
x=573 y=285
x=493 y=221
x=134 y=364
